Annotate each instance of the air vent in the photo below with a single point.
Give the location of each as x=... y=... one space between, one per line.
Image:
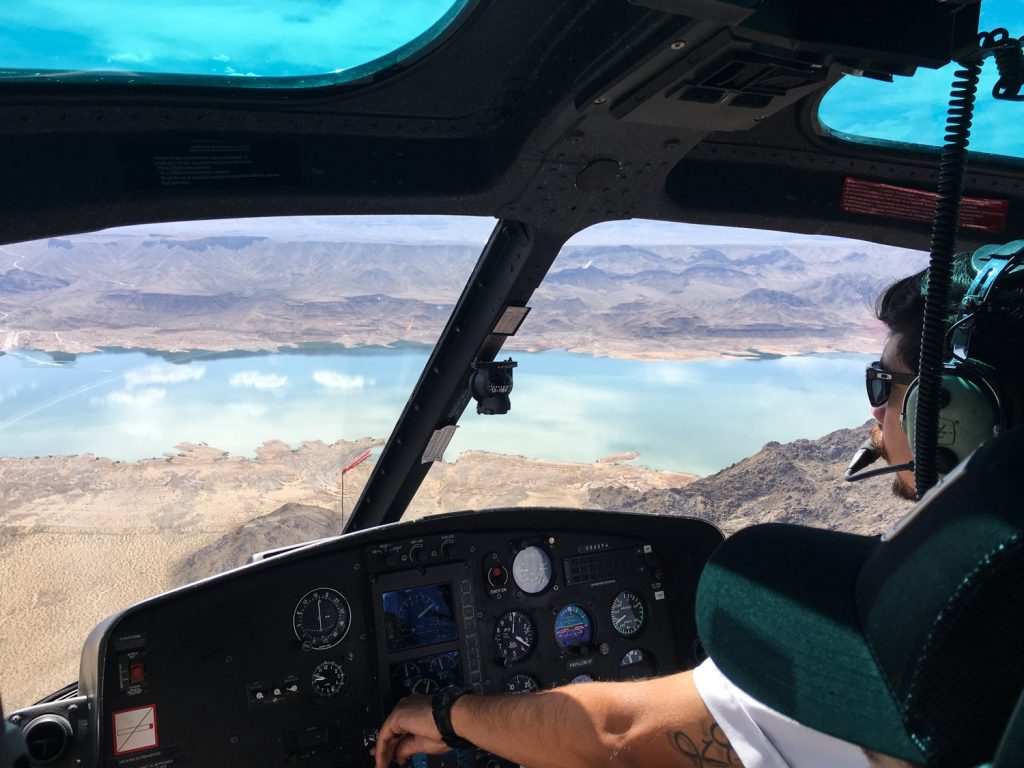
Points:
x=48 y=738
x=720 y=84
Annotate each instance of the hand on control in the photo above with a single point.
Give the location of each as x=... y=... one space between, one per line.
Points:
x=407 y=730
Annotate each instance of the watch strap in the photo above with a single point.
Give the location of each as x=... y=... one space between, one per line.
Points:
x=441 y=705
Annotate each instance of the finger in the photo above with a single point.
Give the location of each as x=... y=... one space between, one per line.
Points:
x=386 y=741
x=411 y=744
x=388 y=737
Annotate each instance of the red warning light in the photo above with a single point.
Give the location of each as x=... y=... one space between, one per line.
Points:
x=137 y=673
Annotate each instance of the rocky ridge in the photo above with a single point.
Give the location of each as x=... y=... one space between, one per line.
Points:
x=797 y=482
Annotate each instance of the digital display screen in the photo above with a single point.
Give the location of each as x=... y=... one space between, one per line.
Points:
x=418 y=616
x=426 y=675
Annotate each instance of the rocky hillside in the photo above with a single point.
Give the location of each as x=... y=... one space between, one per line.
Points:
x=287 y=525
x=798 y=482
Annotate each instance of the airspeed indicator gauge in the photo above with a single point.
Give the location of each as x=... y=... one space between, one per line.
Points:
x=321 y=618
x=627 y=613
x=531 y=570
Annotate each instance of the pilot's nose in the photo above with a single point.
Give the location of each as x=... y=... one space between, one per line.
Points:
x=878 y=412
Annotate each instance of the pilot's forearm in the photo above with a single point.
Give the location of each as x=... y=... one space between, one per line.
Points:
x=651 y=722
x=648 y=722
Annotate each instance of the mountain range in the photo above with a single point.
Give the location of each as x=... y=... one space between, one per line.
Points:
x=237 y=291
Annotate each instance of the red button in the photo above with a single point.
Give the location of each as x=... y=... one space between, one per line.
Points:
x=137 y=672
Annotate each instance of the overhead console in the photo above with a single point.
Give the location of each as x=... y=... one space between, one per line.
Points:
x=299 y=658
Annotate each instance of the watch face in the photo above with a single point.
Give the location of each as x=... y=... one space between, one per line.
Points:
x=448 y=694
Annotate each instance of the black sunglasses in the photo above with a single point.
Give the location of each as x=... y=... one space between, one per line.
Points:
x=879 y=382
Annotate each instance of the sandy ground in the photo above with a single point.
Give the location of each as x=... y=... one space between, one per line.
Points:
x=58 y=586
x=87 y=340
x=83 y=537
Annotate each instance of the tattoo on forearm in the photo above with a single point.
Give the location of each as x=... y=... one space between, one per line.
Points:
x=714 y=751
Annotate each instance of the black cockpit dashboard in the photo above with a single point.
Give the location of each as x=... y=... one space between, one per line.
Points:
x=297 y=658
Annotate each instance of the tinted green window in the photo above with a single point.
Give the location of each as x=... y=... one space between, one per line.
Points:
x=912 y=110
x=252 y=43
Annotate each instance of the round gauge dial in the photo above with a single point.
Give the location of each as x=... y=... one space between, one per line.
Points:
x=321 y=618
x=421 y=612
x=328 y=679
x=514 y=636
x=405 y=675
x=443 y=666
x=638 y=663
x=521 y=683
x=425 y=685
x=581 y=679
x=635 y=656
x=627 y=613
x=573 y=626
x=531 y=570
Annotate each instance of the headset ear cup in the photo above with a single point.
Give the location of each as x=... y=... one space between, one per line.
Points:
x=908 y=415
x=970 y=413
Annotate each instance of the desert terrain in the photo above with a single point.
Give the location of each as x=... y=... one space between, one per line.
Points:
x=83 y=537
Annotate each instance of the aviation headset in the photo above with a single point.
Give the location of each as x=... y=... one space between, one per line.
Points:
x=976 y=402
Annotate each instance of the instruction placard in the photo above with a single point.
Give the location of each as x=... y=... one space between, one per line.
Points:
x=134 y=730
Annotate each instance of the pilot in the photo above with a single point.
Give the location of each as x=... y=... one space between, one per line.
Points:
x=826 y=649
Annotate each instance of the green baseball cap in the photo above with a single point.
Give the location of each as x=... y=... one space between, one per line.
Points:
x=910 y=644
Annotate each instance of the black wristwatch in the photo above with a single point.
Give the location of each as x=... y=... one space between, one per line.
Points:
x=442 y=708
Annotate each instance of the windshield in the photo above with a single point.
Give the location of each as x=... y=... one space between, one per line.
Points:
x=177 y=397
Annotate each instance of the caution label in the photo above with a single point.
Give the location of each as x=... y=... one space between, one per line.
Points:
x=873 y=198
x=134 y=730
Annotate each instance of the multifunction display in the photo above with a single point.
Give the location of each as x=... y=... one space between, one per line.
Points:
x=418 y=616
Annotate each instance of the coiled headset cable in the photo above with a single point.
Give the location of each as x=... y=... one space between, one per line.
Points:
x=1009 y=57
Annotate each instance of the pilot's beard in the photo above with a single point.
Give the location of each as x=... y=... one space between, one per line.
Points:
x=900 y=487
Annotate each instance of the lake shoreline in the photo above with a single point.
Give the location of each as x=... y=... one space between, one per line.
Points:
x=613 y=352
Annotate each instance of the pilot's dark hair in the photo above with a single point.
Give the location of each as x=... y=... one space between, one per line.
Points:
x=999 y=338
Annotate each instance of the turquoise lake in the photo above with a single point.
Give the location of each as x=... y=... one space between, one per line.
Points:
x=695 y=417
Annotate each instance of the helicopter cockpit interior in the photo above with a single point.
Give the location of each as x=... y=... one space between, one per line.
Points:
x=548 y=117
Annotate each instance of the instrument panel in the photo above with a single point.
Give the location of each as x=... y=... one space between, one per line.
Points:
x=300 y=656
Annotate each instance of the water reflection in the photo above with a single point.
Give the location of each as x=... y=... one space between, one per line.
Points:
x=691 y=417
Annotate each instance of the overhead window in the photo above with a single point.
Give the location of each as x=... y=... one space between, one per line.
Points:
x=247 y=43
x=912 y=110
